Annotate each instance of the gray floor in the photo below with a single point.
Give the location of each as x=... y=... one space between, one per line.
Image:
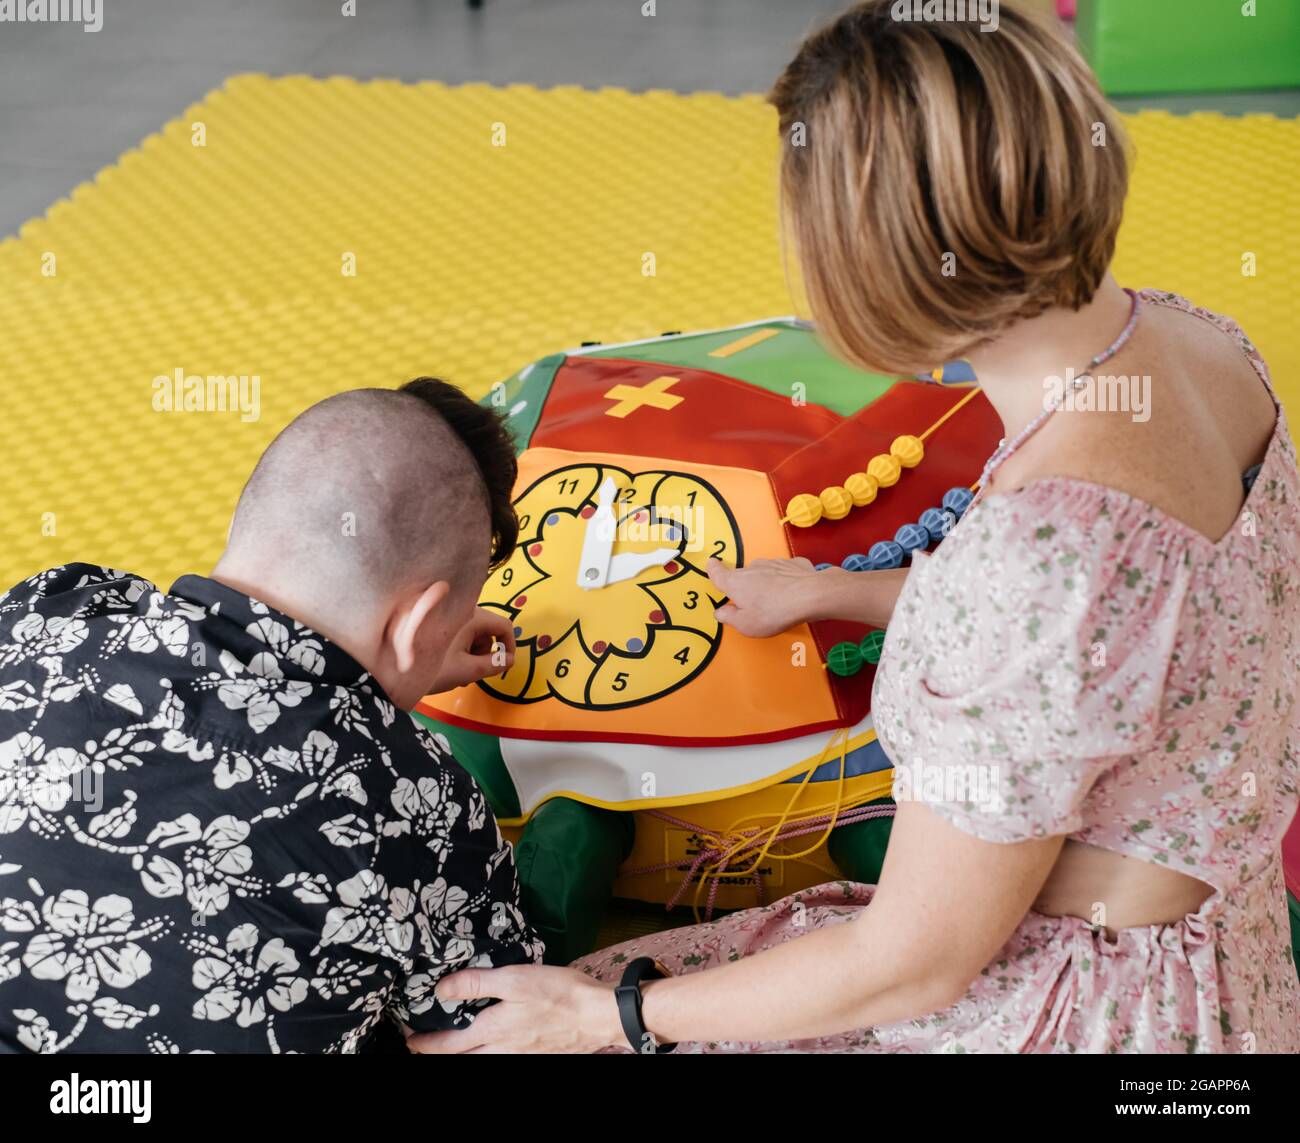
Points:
x=71 y=101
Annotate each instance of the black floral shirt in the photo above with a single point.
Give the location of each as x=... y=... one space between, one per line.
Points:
x=218 y=834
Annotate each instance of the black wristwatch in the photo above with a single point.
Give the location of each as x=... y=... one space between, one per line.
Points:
x=628 y=996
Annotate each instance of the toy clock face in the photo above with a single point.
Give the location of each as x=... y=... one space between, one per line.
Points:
x=649 y=627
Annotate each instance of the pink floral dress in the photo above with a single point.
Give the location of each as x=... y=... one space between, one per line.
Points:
x=1116 y=677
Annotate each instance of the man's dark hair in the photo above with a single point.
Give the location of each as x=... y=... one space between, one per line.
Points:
x=483 y=432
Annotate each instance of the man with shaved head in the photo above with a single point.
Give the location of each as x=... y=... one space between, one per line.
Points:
x=219 y=830
x=374 y=517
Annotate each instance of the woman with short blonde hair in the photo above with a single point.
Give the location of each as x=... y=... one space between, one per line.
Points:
x=1111 y=632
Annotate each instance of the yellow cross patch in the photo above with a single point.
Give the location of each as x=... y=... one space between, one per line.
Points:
x=654 y=393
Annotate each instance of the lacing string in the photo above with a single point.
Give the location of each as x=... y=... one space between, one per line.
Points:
x=721 y=850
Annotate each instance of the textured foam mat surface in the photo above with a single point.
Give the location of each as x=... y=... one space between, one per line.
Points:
x=471 y=259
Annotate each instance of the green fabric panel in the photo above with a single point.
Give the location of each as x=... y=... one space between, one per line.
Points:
x=567 y=859
x=1294 y=906
x=776 y=364
x=859 y=849
x=1142 y=46
x=523 y=395
x=480 y=754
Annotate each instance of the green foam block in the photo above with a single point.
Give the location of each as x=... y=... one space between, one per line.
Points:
x=1147 y=46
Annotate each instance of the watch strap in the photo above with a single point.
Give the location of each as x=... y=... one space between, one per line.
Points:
x=628 y=996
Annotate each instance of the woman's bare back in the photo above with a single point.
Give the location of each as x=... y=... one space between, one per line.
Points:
x=1210 y=421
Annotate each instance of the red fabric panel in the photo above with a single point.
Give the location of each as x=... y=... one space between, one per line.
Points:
x=720 y=421
x=954 y=455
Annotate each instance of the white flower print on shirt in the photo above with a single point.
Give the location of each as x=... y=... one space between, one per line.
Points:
x=35 y=1033
x=345 y=702
x=215 y=862
x=319 y=760
x=19 y=695
x=35 y=781
x=86 y=945
x=261 y=693
x=237 y=979
x=427 y=808
x=145 y=634
x=370 y=917
x=35 y=637
x=268 y=772
x=305 y=651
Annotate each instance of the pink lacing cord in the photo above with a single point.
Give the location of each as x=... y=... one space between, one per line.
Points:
x=755 y=838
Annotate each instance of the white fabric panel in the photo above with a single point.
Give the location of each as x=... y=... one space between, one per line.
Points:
x=615 y=773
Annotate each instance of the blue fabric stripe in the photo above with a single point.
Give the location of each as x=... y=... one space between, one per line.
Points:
x=866 y=759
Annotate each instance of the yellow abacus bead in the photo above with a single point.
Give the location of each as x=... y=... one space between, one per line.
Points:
x=836 y=503
x=907 y=450
x=804 y=510
x=862 y=488
x=886 y=469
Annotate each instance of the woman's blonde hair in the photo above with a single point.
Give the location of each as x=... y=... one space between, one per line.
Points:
x=943 y=182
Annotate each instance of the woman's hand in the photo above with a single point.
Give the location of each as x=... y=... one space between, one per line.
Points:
x=484 y=646
x=540 y=1009
x=771 y=596
x=767 y=596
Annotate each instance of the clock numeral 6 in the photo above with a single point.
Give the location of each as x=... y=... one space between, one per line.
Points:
x=562 y=668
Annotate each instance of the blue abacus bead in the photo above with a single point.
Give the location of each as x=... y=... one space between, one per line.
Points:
x=910 y=537
x=938 y=522
x=957 y=500
x=823 y=567
x=885 y=555
x=856 y=563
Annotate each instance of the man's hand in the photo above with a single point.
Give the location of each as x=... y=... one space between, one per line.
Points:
x=540 y=1009
x=484 y=646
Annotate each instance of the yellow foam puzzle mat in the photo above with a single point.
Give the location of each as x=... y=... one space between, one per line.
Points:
x=290 y=238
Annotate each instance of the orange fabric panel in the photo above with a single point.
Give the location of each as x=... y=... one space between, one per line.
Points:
x=640 y=660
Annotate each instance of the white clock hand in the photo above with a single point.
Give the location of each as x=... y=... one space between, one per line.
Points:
x=627 y=565
x=598 y=540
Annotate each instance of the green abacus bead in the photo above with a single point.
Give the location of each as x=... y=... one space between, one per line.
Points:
x=871 y=646
x=844 y=659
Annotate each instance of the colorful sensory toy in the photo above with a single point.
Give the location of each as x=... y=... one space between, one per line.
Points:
x=628 y=702
x=861 y=488
x=847 y=659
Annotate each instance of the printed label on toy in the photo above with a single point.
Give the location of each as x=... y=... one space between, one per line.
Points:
x=685 y=846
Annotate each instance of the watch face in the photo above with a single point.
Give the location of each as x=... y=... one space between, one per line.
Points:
x=649 y=627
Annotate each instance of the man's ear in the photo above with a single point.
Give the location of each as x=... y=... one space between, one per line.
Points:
x=410 y=621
